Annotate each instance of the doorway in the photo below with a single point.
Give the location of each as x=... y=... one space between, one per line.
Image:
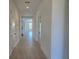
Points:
x=26 y=28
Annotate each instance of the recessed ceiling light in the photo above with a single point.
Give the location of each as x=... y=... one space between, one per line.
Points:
x=27 y=7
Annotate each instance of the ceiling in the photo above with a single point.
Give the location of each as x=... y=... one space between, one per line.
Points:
x=22 y=4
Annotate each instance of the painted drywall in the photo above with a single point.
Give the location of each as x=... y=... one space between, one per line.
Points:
x=13 y=26
x=44 y=14
x=59 y=35
x=35 y=26
x=66 y=31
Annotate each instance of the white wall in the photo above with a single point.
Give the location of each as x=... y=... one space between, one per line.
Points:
x=66 y=31
x=35 y=26
x=59 y=42
x=54 y=36
x=13 y=17
x=44 y=11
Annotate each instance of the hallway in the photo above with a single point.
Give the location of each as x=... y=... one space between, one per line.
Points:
x=38 y=29
x=27 y=49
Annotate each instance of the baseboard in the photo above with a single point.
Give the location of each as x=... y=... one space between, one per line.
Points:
x=43 y=52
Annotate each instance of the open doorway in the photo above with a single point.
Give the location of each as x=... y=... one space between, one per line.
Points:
x=26 y=27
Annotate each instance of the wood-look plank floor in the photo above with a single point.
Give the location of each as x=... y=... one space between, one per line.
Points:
x=24 y=50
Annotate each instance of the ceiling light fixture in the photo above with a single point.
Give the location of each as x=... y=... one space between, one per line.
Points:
x=27 y=2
